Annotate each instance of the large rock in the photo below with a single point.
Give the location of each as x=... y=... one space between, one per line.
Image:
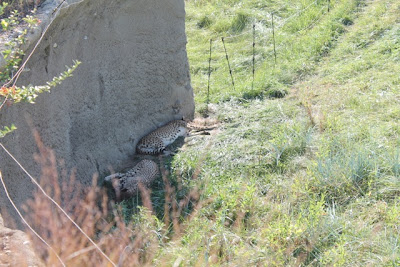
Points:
x=16 y=248
x=133 y=78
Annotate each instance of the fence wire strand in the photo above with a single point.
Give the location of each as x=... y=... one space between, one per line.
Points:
x=237 y=35
x=283 y=23
x=27 y=224
x=56 y=204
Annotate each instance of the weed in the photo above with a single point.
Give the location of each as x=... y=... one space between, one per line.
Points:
x=10 y=22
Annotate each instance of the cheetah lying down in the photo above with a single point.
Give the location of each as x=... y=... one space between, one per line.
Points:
x=156 y=141
x=126 y=184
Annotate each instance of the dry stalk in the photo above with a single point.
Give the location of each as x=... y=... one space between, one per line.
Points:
x=170 y=199
x=88 y=208
x=126 y=244
x=27 y=224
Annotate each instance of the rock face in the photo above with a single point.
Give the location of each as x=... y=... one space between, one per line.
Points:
x=133 y=78
x=16 y=248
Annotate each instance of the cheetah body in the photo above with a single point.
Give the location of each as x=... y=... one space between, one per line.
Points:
x=156 y=141
x=126 y=184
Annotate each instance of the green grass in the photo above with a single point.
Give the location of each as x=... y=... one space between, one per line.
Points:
x=304 y=31
x=304 y=169
x=312 y=179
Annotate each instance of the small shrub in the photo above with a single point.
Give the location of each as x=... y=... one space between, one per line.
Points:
x=239 y=22
x=347 y=21
x=222 y=25
x=22 y=7
x=252 y=94
x=204 y=22
x=276 y=93
x=202 y=109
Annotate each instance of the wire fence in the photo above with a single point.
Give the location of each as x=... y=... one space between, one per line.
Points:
x=262 y=38
x=253 y=32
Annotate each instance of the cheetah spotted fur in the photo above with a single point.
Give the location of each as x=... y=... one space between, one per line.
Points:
x=156 y=141
x=126 y=184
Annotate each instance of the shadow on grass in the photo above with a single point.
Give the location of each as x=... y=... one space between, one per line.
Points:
x=261 y=94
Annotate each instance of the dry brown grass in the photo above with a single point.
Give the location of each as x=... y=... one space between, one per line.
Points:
x=126 y=244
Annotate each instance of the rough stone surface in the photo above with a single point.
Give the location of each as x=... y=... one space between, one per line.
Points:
x=16 y=248
x=134 y=77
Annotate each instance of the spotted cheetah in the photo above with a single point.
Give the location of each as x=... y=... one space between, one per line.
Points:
x=126 y=184
x=156 y=141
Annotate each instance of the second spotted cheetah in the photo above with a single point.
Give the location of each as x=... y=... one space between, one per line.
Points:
x=126 y=184
x=156 y=141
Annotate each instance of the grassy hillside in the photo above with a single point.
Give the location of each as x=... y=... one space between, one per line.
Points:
x=309 y=179
x=304 y=32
